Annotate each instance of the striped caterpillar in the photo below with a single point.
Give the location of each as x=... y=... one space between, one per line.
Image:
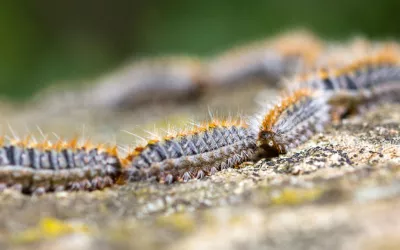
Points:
x=373 y=79
x=38 y=168
x=337 y=54
x=291 y=121
x=171 y=79
x=365 y=73
x=148 y=81
x=165 y=79
x=201 y=151
x=267 y=60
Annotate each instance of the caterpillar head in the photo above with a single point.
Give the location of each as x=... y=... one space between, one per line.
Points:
x=267 y=140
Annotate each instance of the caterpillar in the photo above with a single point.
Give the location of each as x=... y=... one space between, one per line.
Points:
x=165 y=79
x=36 y=168
x=313 y=99
x=200 y=151
x=337 y=54
x=370 y=80
x=268 y=60
x=176 y=78
x=291 y=121
x=365 y=73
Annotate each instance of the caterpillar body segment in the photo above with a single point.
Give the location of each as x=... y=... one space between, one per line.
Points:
x=43 y=168
x=193 y=154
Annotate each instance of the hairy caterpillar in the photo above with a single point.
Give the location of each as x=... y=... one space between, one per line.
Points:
x=41 y=167
x=267 y=60
x=354 y=81
x=195 y=153
x=365 y=73
x=372 y=79
x=164 y=79
x=167 y=79
x=171 y=79
x=337 y=54
x=291 y=121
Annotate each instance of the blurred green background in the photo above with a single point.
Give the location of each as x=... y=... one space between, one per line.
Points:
x=43 y=42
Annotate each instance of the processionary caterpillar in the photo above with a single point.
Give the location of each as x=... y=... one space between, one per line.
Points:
x=41 y=167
